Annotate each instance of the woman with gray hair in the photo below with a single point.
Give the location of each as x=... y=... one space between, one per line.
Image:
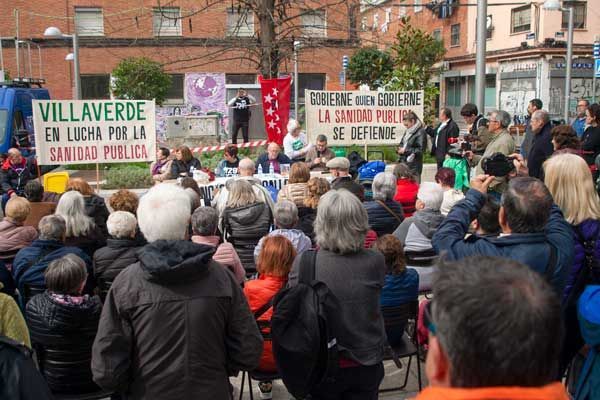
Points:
x=205 y=228
x=385 y=214
x=120 y=250
x=416 y=232
x=245 y=221
x=63 y=323
x=286 y=219
x=355 y=276
x=81 y=232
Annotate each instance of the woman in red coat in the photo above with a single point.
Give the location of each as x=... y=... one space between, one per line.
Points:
x=274 y=263
x=406 y=189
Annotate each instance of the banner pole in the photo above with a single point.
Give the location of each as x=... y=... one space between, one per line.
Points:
x=39 y=172
x=98 y=179
x=366 y=152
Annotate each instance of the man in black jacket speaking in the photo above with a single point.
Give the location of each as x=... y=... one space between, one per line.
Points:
x=445 y=130
x=241 y=114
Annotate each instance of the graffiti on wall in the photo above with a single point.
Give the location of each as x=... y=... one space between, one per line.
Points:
x=581 y=88
x=166 y=111
x=515 y=102
x=206 y=93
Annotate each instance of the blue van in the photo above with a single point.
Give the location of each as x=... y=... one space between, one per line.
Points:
x=16 y=119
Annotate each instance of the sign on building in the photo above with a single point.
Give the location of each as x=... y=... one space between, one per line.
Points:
x=94 y=131
x=360 y=117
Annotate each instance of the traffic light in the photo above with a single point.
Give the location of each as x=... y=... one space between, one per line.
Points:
x=345 y=61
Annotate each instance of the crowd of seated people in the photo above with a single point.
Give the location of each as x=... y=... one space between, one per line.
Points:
x=168 y=275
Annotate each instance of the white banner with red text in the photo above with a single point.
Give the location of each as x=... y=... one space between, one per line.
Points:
x=360 y=117
x=94 y=131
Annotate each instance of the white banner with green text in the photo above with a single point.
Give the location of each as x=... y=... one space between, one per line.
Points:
x=94 y=131
x=360 y=117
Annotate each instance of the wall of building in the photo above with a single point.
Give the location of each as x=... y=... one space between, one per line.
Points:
x=383 y=35
x=128 y=32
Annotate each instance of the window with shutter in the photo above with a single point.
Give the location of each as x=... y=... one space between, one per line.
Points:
x=314 y=23
x=89 y=22
x=240 y=22
x=166 y=21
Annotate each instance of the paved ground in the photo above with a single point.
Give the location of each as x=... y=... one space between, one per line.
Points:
x=393 y=377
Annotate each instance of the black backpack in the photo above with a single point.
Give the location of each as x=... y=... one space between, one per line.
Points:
x=356 y=161
x=303 y=329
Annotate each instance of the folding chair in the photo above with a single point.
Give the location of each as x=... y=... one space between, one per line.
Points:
x=265 y=330
x=422 y=262
x=395 y=316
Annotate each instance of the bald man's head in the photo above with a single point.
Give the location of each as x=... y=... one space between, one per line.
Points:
x=273 y=150
x=246 y=167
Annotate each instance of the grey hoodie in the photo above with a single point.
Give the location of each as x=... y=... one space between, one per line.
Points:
x=299 y=240
x=416 y=232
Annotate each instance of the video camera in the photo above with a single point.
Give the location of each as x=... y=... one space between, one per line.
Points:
x=498 y=164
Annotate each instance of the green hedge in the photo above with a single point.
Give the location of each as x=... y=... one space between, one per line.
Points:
x=127 y=177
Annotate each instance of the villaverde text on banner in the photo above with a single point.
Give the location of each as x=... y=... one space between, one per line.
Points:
x=360 y=117
x=94 y=131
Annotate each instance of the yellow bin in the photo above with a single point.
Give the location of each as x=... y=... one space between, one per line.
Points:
x=56 y=181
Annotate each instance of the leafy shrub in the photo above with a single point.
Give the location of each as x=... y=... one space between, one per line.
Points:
x=129 y=177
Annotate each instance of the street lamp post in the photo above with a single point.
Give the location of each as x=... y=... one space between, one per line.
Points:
x=54 y=32
x=480 y=55
x=297 y=45
x=554 y=5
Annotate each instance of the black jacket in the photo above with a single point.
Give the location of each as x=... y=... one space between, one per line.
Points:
x=112 y=259
x=244 y=227
x=263 y=161
x=380 y=219
x=346 y=182
x=19 y=378
x=414 y=144
x=62 y=335
x=449 y=131
x=95 y=208
x=89 y=243
x=14 y=177
x=541 y=149
x=175 y=325
x=591 y=144
x=178 y=167
x=306 y=221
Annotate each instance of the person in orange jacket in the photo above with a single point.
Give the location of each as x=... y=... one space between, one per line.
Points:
x=274 y=263
x=495 y=332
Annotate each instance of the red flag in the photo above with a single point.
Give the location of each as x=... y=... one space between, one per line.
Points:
x=275 y=94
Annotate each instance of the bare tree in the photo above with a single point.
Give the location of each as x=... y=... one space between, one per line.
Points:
x=280 y=23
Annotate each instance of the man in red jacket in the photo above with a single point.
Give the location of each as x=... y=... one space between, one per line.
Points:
x=495 y=331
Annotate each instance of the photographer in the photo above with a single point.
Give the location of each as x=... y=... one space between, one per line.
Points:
x=501 y=142
x=479 y=134
x=534 y=230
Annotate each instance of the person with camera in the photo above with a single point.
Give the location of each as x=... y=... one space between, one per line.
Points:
x=502 y=143
x=241 y=114
x=479 y=135
x=541 y=145
x=534 y=230
x=410 y=150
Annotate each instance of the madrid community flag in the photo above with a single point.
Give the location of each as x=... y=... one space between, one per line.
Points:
x=275 y=94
